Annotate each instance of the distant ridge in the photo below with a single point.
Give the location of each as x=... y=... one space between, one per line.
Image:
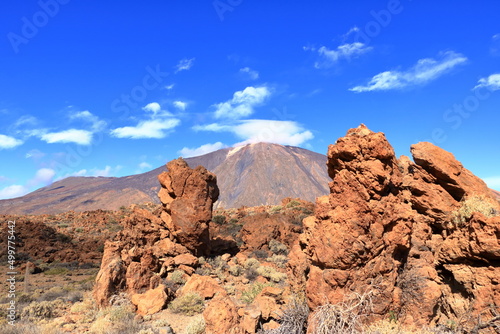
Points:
x=251 y=175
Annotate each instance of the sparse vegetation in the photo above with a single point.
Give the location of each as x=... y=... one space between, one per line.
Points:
x=236 y=270
x=279 y=260
x=196 y=326
x=480 y=204
x=293 y=319
x=219 y=219
x=248 y=295
x=56 y=271
x=293 y=203
x=189 y=304
x=271 y=274
x=42 y=310
x=277 y=247
x=177 y=277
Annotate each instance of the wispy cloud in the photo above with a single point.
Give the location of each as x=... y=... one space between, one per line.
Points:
x=260 y=130
x=80 y=137
x=184 y=65
x=187 y=152
x=169 y=87
x=329 y=57
x=181 y=105
x=243 y=103
x=97 y=124
x=144 y=165
x=43 y=177
x=7 y=142
x=158 y=125
x=153 y=129
x=492 y=82
x=495 y=45
x=426 y=70
x=252 y=74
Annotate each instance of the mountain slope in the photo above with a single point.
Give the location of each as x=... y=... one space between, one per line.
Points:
x=250 y=175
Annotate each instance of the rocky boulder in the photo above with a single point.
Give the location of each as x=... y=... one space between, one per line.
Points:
x=389 y=228
x=152 y=244
x=188 y=196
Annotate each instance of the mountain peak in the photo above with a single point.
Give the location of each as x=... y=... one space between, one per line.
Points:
x=248 y=175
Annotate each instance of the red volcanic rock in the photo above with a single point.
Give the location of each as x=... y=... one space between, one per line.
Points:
x=449 y=172
x=221 y=316
x=152 y=301
x=188 y=196
x=151 y=245
x=387 y=227
x=261 y=228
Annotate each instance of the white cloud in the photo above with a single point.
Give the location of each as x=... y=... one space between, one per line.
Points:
x=492 y=82
x=279 y=132
x=424 y=71
x=97 y=124
x=145 y=165
x=180 y=105
x=329 y=57
x=107 y=171
x=252 y=74
x=184 y=65
x=43 y=177
x=80 y=137
x=493 y=182
x=7 y=142
x=153 y=107
x=259 y=130
x=169 y=87
x=353 y=30
x=156 y=128
x=215 y=127
x=13 y=191
x=203 y=149
x=243 y=103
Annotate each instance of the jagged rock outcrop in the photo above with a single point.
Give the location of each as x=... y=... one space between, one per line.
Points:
x=188 y=196
x=153 y=244
x=390 y=226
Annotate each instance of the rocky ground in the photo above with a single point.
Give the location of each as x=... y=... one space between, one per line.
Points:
x=399 y=246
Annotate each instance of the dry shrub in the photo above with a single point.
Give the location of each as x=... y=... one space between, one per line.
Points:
x=345 y=317
x=196 y=326
x=271 y=274
x=189 y=304
x=22 y=327
x=43 y=310
x=119 y=319
x=481 y=204
x=293 y=319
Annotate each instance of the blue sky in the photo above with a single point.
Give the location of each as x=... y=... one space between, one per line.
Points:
x=113 y=88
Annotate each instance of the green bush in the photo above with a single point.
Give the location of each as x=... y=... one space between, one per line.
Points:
x=219 y=219
x=293 y=203
x=188 y=304
x=177 y=277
